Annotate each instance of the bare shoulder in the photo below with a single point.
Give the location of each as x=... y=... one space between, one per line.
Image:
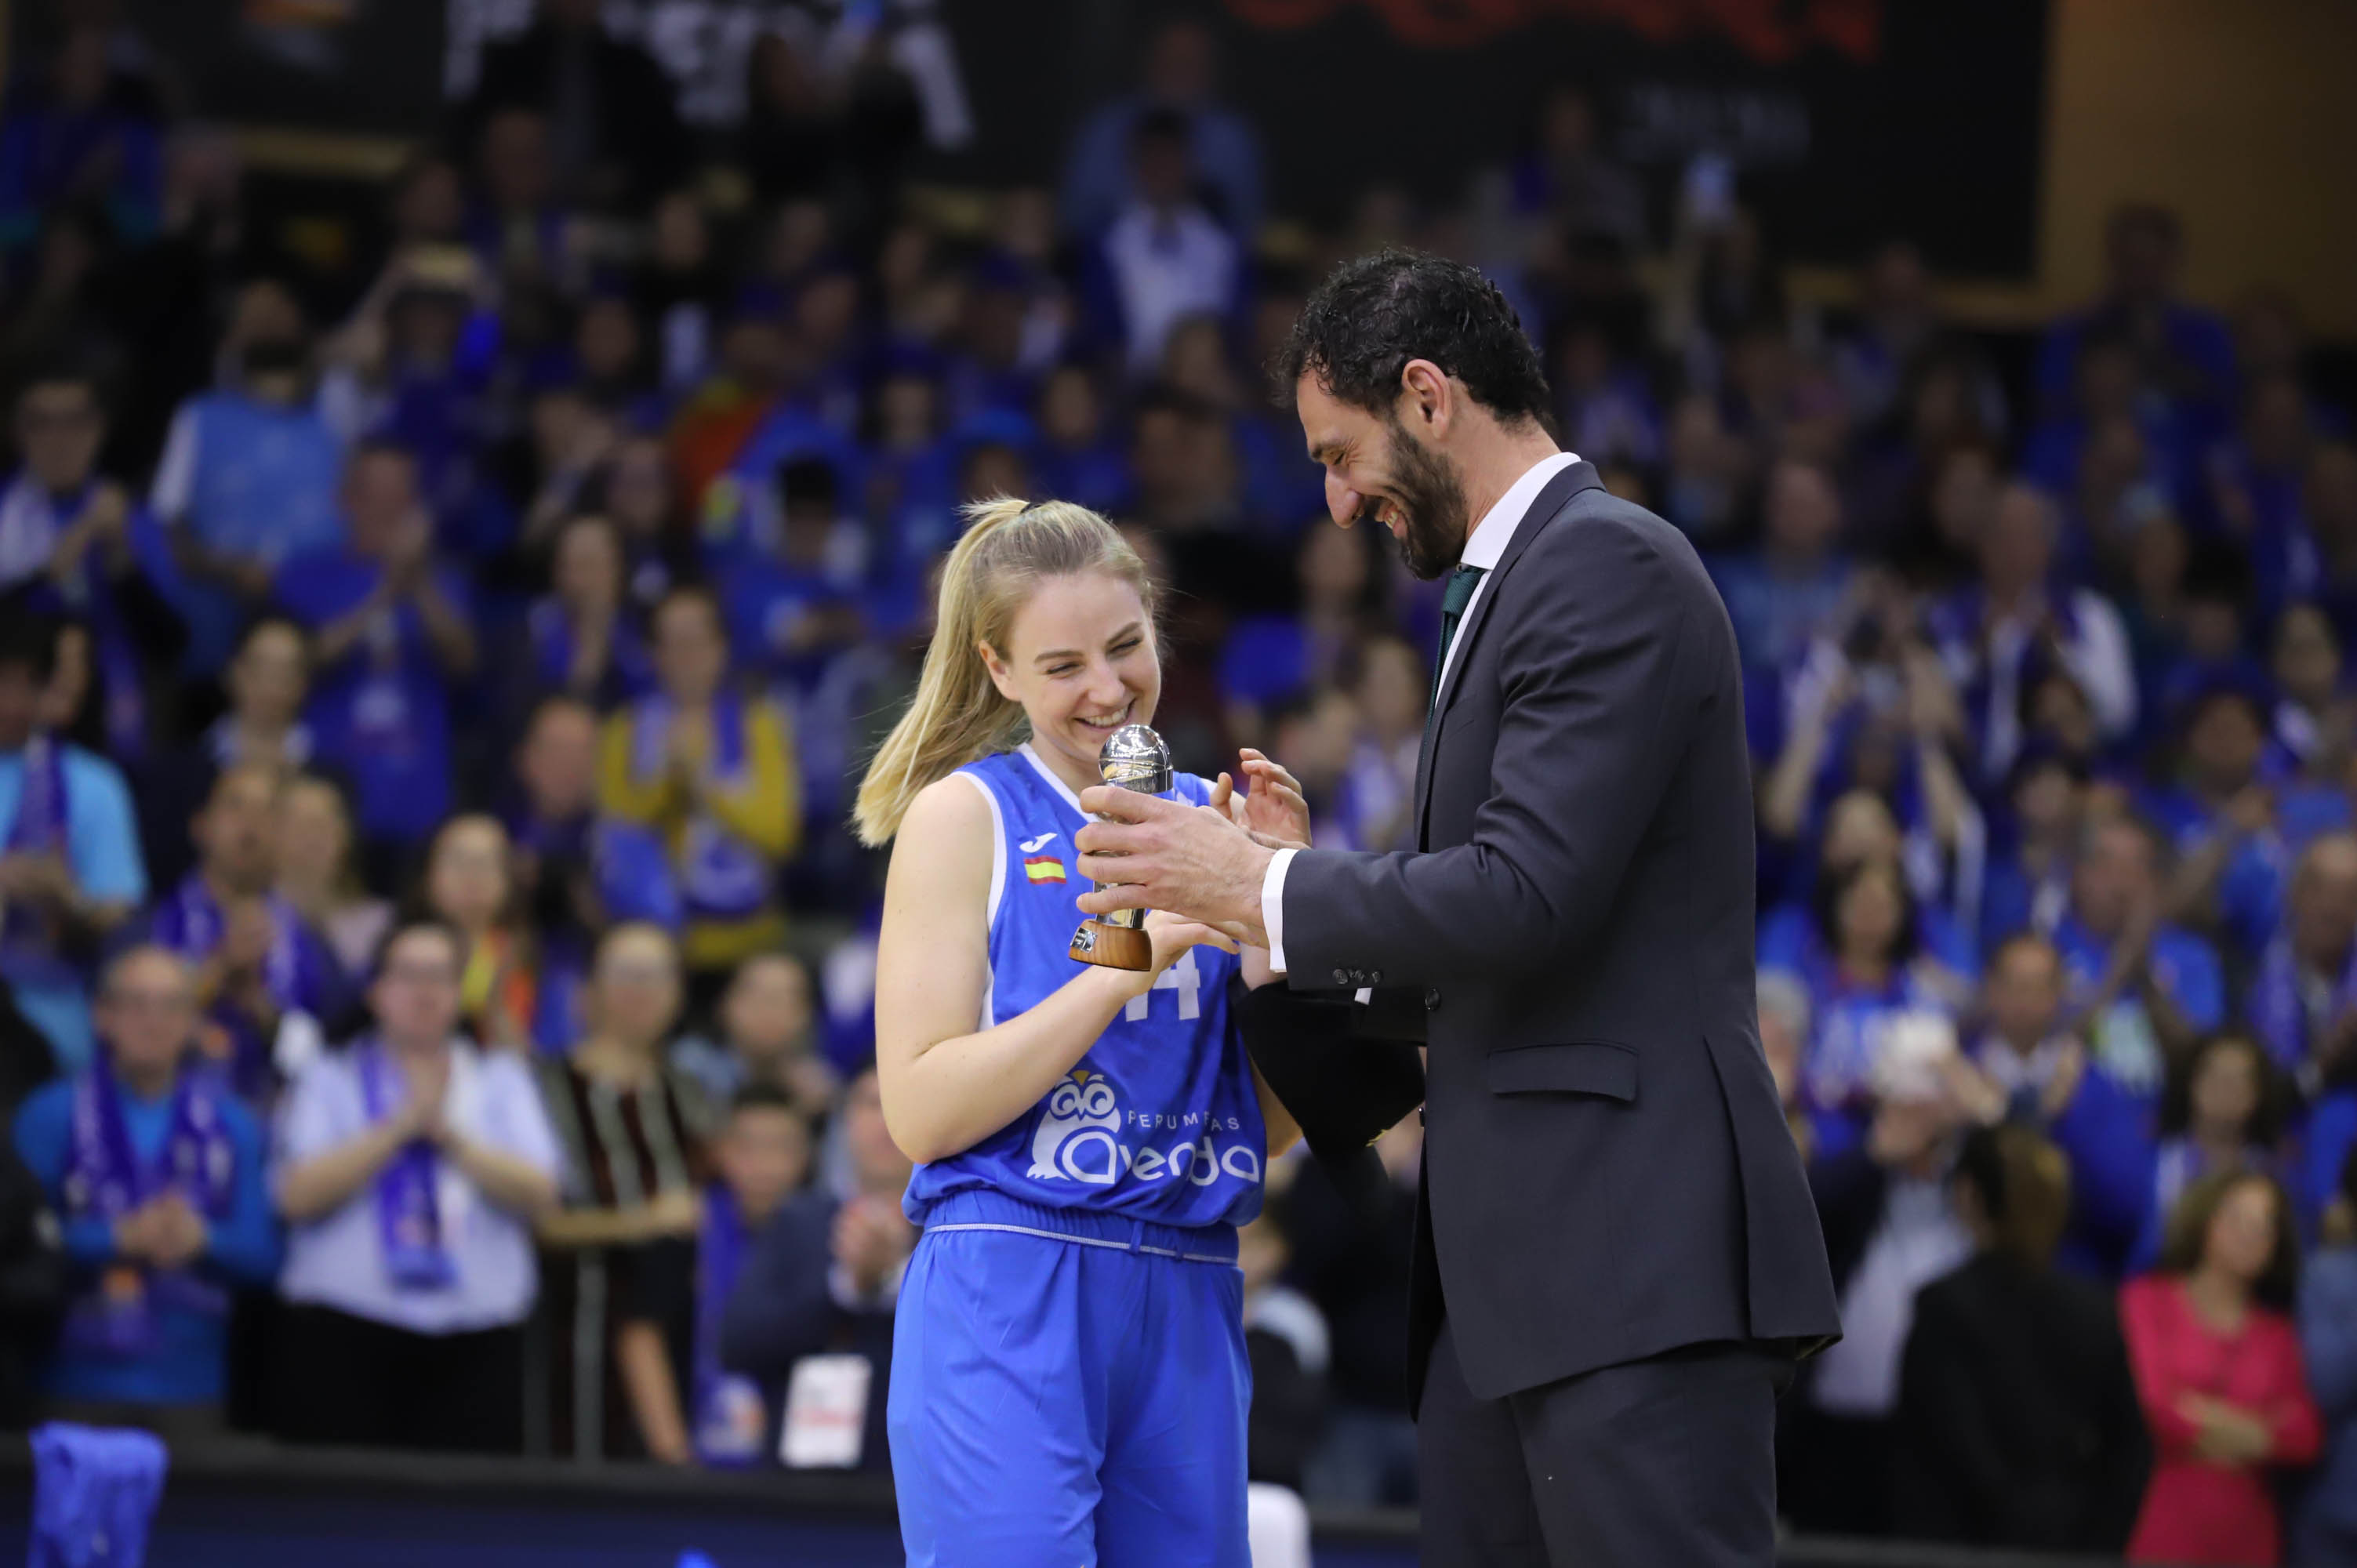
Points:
x=951 y=805
x=947 y=835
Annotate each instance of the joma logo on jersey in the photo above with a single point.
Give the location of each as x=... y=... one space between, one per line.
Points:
x=1077 y=1140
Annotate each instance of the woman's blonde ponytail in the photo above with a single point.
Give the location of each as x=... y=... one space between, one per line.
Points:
x=958 y=713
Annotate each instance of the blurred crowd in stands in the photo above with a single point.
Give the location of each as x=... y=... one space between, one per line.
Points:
x=438 y=967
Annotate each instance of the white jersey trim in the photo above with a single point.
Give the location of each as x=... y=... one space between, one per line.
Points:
x=1089 y=1241
x=997 y=894
x=1058 y=785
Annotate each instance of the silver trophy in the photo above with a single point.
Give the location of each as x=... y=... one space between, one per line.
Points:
x=1132 y=758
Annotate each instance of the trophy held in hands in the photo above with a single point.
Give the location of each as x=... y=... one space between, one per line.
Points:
x=1132 y=758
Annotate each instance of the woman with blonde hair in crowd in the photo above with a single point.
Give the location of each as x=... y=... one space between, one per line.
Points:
x=1069 y=1377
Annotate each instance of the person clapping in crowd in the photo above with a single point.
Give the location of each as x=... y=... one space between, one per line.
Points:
x=763 y=1158
x=2034 y=1055
x=810 y=1317
x=70 y=872
x=392 y=628
x=712 y=771
x=257 y=961
x=410 y=1169
x=156 y=1173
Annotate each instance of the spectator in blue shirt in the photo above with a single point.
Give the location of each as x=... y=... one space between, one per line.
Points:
x=156 y=1173
x=577 y=869
x=583 y=638
x=248 y=476
x=1078 y=459
x=2223 y=1110
x=1606 y=413
x=2232 y=857
x=390 y=630
x=990 y=372
x=798 y=604
x=1163 y=257
x=2303 y=1000
x=2187 y=354
x=1178 y=80
x=1793 y=587
x=2145 y=988
x=257 y=961
x=2324 y=1532
x=2027 y=884
x=84 y=548
x=825 y=1274
x=2254 y=479
x=70 y=866
x=69 y=138
x=763 y=1154
x=1317 y=644
x=635 y=490
x=2314 y=721
x=2034 y=1058
x=2018 y=621
x=2107 y=392
x=1280 y=486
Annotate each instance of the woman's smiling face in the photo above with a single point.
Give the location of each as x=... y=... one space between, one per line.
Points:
x=1081 y=661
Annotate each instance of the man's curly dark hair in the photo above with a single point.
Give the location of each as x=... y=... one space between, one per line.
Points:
x=1376 y=312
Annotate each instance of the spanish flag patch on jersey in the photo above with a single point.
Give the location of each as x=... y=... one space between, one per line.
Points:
x=1043 y=868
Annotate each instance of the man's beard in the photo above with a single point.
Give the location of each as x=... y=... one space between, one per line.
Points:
x=1431 y=504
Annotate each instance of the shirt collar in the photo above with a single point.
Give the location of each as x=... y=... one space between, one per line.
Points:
x=1485 y=545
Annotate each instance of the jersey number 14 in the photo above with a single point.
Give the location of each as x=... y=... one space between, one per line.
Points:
x=1181 y=977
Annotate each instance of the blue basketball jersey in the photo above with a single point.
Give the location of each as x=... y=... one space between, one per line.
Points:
x=1159 y=1120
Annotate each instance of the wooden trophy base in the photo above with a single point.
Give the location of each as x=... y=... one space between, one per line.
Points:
x=1113 y=947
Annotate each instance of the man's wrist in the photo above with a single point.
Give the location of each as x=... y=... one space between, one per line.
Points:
x=1248 y=910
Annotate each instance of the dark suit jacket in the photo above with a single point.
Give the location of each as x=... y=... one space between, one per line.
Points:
x=1607 y=1174
x=2017 y=1419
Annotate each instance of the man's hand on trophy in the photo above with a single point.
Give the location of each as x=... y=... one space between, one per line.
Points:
x=1145 y=852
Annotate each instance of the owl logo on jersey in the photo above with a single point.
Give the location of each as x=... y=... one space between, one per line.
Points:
x=1075 y=1140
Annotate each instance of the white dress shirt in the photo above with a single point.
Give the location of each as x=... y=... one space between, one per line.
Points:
x=1484 y=547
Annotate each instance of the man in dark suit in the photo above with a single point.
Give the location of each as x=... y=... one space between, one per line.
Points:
x=1618 y=1260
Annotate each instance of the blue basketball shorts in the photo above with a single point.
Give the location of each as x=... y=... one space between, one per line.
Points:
x=1069 y=1390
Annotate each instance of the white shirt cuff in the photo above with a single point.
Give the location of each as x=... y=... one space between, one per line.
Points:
x=1272 y=907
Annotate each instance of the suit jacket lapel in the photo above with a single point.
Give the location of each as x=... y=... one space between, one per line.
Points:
x=1552 y=500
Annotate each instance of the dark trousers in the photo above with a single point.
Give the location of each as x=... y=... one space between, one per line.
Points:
x=1835 y=1472
x=345 y=1379
x=1668 y=1460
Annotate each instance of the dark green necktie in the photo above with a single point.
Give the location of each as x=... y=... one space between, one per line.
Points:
x=1453 y=601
